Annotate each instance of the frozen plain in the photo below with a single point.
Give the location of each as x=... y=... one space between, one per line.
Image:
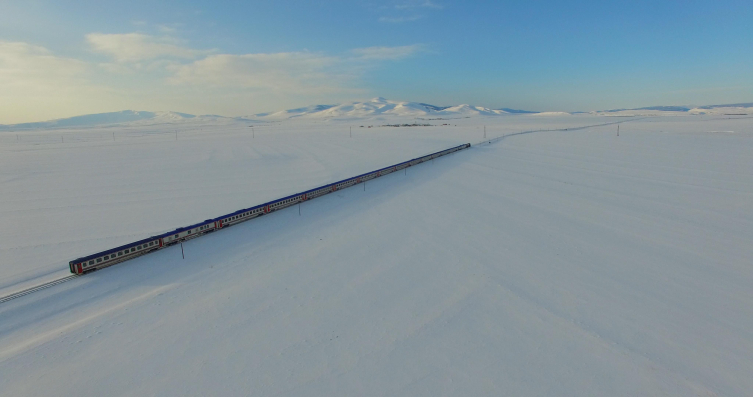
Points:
x=552 y=263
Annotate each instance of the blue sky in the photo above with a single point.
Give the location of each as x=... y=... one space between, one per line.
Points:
x=63 y=58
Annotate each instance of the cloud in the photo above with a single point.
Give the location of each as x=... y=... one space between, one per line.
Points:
x=288 y=72
x=36 y=82
x=278 y=72
x=407 y=5
x=167 y=28
x=400 y=19
x=34 y=67
x=407 y=10
x=387 y=53
x=134 y=47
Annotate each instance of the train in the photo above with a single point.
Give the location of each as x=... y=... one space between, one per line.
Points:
x=135 y=249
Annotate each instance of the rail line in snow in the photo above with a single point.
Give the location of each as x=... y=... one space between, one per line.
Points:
x=36 y=288
x=501 y=137
x=143 y=247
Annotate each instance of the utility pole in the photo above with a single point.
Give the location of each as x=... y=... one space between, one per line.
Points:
x=181 y=250
x=618 y=130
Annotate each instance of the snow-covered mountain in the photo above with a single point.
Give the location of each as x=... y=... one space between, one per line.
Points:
x=377 y=108
x=729 y=109
x=125 y=116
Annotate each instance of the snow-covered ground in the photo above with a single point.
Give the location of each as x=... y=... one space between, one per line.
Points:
x=551 y=263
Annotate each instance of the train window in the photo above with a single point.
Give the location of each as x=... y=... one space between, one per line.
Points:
x=133 y=249
x=107 y=257
x=99 y=260
x=120 y=253
x=189 y=232
x=176 y=236
x=91 y=262
x=138 y=248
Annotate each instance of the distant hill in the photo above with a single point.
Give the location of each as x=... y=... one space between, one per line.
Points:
x=378 y=108
x=730 y=109
x=125 y=116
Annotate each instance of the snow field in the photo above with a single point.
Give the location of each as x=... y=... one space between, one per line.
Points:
x=71 y=192
x=553 y=263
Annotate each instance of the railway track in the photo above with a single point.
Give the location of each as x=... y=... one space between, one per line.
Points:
x=583 y=127
x=36 y=288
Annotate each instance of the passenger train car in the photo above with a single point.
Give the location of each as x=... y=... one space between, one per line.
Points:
x=129 y=251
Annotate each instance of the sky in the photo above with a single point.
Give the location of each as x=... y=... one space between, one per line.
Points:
x=65 y=58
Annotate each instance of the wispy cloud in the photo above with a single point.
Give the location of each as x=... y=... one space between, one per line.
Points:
x=400 y=19
x=287 y=72
x=279 y=72
x=387 y=53
x=407 y=5
x=167 y=28
x=406 y=10
x=23 y=63
x=134 y=47
x=35 y=81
